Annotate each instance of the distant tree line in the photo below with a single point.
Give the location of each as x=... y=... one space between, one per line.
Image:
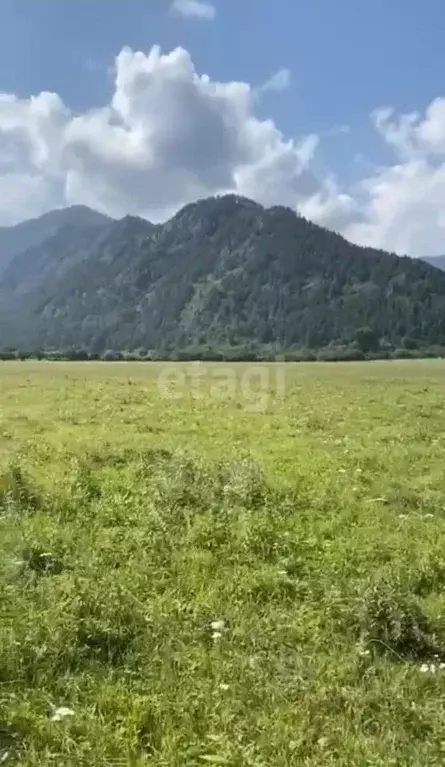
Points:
x=367 y=346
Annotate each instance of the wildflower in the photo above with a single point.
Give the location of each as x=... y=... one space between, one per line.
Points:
x=224 y=687
x=61 y=713
x=363 y=651
x=431 y=668
x=216 y=636
x=218 y=626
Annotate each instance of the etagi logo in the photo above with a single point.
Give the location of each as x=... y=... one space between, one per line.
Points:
x=255 y=386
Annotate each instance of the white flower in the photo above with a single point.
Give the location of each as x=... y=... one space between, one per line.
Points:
x=216 y=636
x=431 y=667
x=218 y=625
x=363 y=651
x=61 y=713
x=224 y=687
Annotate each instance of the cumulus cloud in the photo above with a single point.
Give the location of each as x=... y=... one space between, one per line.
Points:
x=404 y=209
x=403 y=205
x=194 y=9
x=31 y=150
x=170 y=135
x=329 y=206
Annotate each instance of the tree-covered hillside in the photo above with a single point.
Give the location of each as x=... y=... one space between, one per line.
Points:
x=224 y=272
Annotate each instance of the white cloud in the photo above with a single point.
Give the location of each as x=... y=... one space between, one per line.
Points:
x=403 y=205
x=403 y=209
x=278 y=83
x=195 y=9
x=31 y=149
x=168 y=136
x=409 y=134
x=329 y=206
x=171 y=135
x=338 y=130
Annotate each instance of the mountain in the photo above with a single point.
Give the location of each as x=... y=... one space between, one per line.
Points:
x=437 y=261
x=16 y=239
x=223 y=272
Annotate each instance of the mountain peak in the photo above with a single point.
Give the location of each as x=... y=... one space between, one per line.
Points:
x=28 y=234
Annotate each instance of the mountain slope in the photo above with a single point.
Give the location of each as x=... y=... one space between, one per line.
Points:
x=437 y=261
x=16 y=239
x=226 y=272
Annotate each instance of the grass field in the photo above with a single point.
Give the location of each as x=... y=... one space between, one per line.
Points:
x=239 y=566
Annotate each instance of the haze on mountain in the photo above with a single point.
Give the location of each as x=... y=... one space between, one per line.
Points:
x=224 y=272
x=437 y=261
x=17 y=239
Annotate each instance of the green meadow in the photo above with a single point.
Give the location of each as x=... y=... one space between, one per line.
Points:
x=238 y=565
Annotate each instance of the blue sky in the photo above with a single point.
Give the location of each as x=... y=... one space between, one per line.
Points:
x=345 y=58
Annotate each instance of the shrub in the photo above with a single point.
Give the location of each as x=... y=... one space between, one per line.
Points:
x=393 y=623
x=16 y=489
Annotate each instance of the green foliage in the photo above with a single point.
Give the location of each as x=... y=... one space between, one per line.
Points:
x=395 y=625
x=367 y=340
x=15 y=490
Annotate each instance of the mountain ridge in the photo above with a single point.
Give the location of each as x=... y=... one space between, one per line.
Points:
x=222 y=272
x=14 y=240
x=437 y=261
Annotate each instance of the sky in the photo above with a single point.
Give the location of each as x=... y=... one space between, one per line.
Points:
x=336 y=109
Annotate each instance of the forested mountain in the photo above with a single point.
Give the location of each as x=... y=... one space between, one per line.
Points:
x=223 y=272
